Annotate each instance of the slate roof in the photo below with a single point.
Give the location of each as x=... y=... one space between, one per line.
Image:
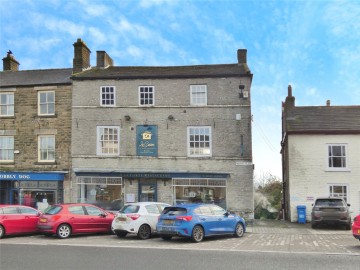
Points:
x=143 y=72
x=35 y=77
x=323 y=119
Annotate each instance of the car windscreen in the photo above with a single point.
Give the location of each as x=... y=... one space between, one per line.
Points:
x=52 y=210
x=129 y=209
x=174 y=211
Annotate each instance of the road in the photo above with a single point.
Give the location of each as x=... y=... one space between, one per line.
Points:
x=65 y=257
x=281 y=249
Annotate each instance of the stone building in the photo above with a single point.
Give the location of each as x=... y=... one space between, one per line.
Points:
x=35 y=134
x=161 y=133
x=320 y=155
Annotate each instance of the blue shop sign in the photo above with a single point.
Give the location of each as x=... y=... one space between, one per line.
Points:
x=147 y=141
x=28 y=176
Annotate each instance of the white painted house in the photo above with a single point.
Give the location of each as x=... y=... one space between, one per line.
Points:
x=320 y=155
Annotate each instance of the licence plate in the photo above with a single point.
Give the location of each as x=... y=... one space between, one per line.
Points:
x=168 y=222
x=121 y=218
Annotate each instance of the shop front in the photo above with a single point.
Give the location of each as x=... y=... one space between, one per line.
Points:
x=111 y=190
x=35 y=189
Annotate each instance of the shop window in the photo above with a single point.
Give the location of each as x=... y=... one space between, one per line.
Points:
x=212 y=195
x=104 y=192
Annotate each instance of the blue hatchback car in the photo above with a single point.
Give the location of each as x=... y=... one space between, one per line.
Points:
x=197 y=221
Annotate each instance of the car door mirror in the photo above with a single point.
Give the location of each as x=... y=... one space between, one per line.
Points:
x=102 y=215
x=227 y=213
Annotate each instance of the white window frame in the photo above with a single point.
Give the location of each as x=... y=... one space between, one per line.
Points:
x=7 y=148
x=99 y=141
x=343 y=157
x=47 y=103
x=344 y=194
x=46 y=144
x=111 y=96
x=8 y=105
x=199 y=131
x=146 y=98
x=198 y=95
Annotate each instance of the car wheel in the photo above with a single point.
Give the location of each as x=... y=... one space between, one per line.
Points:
x=166 y=237
x=239 y=230
x=121 y=234
x=144 y=232
x=348 y=226
x=197 y=234
x=63 y=231
x=2 y=231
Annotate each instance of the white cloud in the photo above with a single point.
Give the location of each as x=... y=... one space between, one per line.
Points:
x=151 y=3
x=134 y=51
x=97 y=35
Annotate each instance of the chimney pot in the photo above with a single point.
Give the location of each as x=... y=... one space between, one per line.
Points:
x=328 y=102
x=289 y=90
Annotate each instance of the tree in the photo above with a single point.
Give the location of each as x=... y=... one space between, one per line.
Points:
x=267 y=198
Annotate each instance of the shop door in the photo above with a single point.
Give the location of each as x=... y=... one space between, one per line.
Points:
x=14 y=196
x=148 y=193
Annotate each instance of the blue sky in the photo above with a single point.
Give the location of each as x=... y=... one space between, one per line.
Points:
x=312 y=45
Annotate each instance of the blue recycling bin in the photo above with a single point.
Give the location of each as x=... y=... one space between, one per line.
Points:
x=301 y=210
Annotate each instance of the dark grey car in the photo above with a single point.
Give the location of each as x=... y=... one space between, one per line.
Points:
x=334 y=211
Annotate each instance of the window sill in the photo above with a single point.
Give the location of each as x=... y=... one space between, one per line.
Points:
x=47 y=116
x=337 y=170
x=45 y=163
x=7 y=162
x=7 y=116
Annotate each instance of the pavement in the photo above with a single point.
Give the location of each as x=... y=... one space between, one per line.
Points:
x=261 y=236
x=285 y=236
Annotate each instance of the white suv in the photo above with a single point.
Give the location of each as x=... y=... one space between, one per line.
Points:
x=138 y=218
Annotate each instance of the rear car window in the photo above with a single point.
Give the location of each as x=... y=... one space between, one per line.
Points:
x=127 y=209
x=174 y=211
x=152 y=209
x=26 y=210
x=10 y=210
x=329 y=202
x=52 y=210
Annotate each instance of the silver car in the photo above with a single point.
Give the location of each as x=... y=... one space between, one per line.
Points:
x=330 y=210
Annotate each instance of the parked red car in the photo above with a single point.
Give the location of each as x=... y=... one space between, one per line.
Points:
x=356 y=227
x=68 y=219
x=18 y=219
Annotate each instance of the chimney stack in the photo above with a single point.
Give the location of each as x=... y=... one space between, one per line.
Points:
x=10 y=63
x=81 y=59
x=290 y=99
x=103 y=60
x=241 y=55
